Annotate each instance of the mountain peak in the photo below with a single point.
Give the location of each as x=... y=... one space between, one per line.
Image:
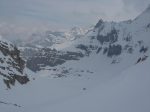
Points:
x=76 y=29
x=99 y=23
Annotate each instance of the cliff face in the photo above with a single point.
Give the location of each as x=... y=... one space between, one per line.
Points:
x=11 y=64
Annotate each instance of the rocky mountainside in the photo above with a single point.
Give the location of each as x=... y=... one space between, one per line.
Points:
x=46 y=49
x=11 y=64
x=120 y=42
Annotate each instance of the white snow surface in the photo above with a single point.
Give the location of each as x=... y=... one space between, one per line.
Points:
x=102 y=87
x=125 y=90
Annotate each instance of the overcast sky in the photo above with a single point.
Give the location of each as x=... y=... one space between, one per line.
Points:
x=67 y=13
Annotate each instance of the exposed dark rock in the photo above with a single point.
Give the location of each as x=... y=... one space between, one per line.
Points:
x=148 y=26
x=114 y=50
x=129 y=49
x=49 y=57
x=143 y=49
x=85 y=48
x=12 y=66
x=140 y=42
x=105 y=50
x=100 y=22
x=141 y=59
x=6 y=103
x=144 y=58
x=21 y=79
x=114 y=61
x=84 y=89
x=99 y=49
x=111 y=37
x=128 y=38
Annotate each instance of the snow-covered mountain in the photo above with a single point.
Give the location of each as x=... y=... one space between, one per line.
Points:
x=106 y=69
x=53 y=38
x=126 y=41
x=116 y=91
x=11 y=64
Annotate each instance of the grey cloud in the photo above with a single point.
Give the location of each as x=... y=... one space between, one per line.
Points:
x=137 y=4
x=59 y=14
x=58 y=10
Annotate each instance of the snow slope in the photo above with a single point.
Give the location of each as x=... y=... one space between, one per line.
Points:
x=128 y=91
x=112 y=80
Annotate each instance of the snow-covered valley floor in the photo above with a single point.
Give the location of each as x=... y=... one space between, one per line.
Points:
x=127 y=91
